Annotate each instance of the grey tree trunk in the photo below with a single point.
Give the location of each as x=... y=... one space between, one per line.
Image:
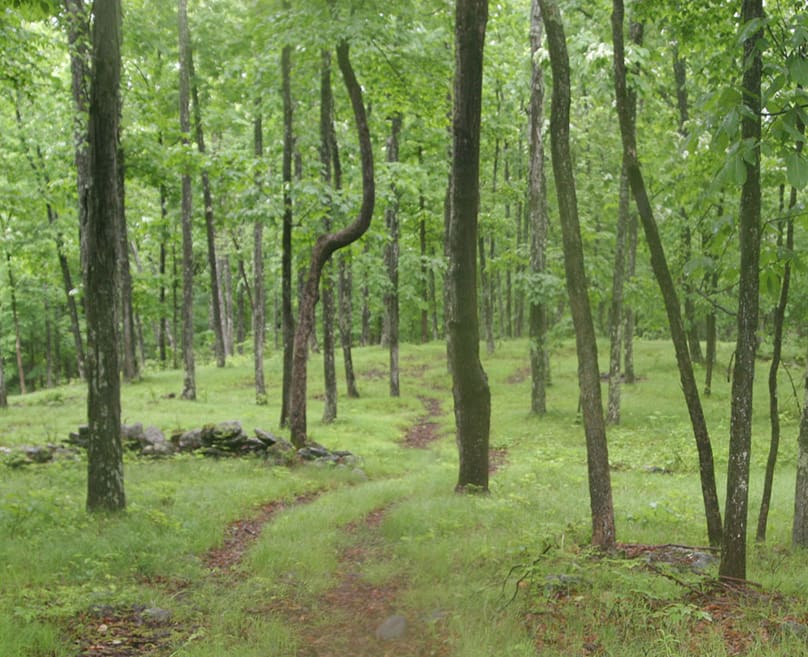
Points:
x=600 y=490
x=189 y=378
x=537 y=209
x=130 y=367
x=472 y=396
x=662 y=273
x=325 y=246
x=105 y=484
x=15 y=318
x=345 y=300
x=3 y=390
x=391 y=260
x=733 y=547
x=799 y=532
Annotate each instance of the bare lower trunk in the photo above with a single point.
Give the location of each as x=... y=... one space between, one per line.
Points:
x=287 y=315
x=391 y=258
x=345 y=300
x=259 y=295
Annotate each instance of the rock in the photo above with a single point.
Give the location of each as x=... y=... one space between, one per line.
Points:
x=156 y=615
x=391 y=629
x=656 y=469
x=38 y=454
x=267 y=437
x=314 y=451
x=701 y=561
x=189 y=441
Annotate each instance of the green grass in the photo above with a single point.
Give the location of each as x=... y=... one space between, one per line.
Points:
x=455 y=553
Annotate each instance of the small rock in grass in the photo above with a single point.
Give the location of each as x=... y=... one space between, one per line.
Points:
x=391 y=629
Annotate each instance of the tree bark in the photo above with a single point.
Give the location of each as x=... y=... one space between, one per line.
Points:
x=162 y=341
x=537 y=209
x=600 y=491
x=129 y=367
x=665 y=281
x=287 y=316
x=259 y=293
x=472 y=396
x=391 y=259
x=799 y=532
x=3 y=390
x=326 y=245
x=733 y=548
x=105 y=486
x=189 y=380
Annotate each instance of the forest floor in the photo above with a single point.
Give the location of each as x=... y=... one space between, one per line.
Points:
x=221 y=557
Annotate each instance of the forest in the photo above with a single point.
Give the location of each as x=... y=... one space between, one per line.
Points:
x=523 y=257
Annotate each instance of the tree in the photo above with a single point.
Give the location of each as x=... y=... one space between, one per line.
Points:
x=472 y=396
x=600 y=490
x=325 y=246
x=537 y=208
x=733 y=548
x=105 y=487
x=259 y=294
x=391 y=257
x=189 y=381
x=664 y=280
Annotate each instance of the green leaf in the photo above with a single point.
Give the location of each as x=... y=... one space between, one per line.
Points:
x=796 y=170
x=798 y=69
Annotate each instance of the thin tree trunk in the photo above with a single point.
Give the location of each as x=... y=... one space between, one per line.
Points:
x=325 y=246
x=129 y=367
x=189 y=380
x=600 y=491
x=733 y=548
x=345 y=300
x=711 y=337
x=616 y=319
x=422 y=244
x=259 y=289
x=286 y=238
x=162 y=269
x=105 y=487
x=799 y=531
x=472 y=396
x=210 y=229
x=629 y=375
x=12 y=286
x=537 y=204
x=391 y=259
x=226 y=302
x=665 y=281
x=3 y=390
x=777 y=350
x=365 y=335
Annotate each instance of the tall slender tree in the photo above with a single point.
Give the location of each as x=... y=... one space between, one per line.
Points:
x=537 y=209
x=391 y=301
x=733 y=547
x=189 y=381
x=662 y=273
x=600 y=488
x=105 y=485
x=259 y=293
x=472 y=396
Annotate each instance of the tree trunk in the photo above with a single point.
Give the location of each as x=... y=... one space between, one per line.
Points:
x=391 y=259
x=424 y=270
x=345 y=300
x=12 y=286
x=130 y=367
x=259 y=293
x=537 y=208
x=325 y=246
x=472 y=396
x=286 y=238
x=3 y=390
x=616 y=319
x=600 y=491
x=733 y=548
x=162 y=268
x=799 y=532
x=777 y=350
x=629 y=375
x=189 y=380
x=78 y=21
x=210 y=229
x=711 y=337
x=331 y=179
x=105 y=487
x=666 y=285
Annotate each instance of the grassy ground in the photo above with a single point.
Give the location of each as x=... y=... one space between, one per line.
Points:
x=505 y=574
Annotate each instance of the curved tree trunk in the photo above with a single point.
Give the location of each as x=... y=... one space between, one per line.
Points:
x=537 y=208
x=600 y=490
x=105 y=488
x=666 y=285
x=472 y=396
x=325 y=246
x=777 y=350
